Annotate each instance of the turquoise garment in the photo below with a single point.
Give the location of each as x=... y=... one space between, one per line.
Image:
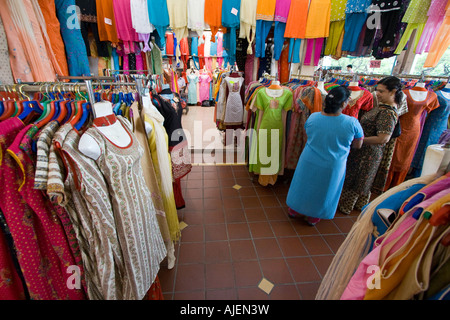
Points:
x=194 y=51
x=435 y=125
x=192 y=88
x=231 y=20
x=319 y=177
x=159 y=16
x=77 y=59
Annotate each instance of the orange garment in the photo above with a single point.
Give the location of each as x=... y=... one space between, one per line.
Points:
x=58 y=54
x=29 y=57
x=284 y=64
x=213 y=17
x=407 y=141
x=440 y=43
x=296 y=21
x=265 y=10
x=106 y=21
x=318 y=21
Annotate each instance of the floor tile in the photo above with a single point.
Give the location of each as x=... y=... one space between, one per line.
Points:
x=235 y=238
x=247 y=273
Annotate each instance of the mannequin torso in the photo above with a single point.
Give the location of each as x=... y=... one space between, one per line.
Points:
x=110 y=127
x=418 y=93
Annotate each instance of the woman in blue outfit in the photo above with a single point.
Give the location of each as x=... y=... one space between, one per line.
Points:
x=318 y=179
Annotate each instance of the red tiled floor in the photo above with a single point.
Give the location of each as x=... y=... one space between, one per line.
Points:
x=235 y=238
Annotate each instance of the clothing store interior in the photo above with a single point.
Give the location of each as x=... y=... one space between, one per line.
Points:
x=224 y=150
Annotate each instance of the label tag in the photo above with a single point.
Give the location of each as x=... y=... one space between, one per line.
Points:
x=108 y=21
x=234 y=11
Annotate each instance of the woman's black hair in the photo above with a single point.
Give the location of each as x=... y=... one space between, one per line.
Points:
x=393 y=83
x=335 y=98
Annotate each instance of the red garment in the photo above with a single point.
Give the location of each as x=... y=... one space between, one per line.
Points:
x=169 y=44
x=10 y=284
x=35 y=226
x=406 y=143
x=364 y=101
x=184 y=49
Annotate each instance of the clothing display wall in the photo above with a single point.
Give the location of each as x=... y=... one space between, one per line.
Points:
x=117 y=34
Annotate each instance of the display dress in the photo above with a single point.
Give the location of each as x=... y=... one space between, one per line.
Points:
x=407 y=141
x=234 y=108
x=192 y=88
x=270 y=142
x=362 y=164
x=318 y=179
x=134 y=212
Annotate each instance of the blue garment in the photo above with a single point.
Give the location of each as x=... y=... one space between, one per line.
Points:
x=159 y=16
x=278 y=39
x=77 y=59
x=213 y=48
x=435 y=125
x=194 y=52
x=294 y=50
x=261 y=33
x=319 y=177
x=231 y=21
x=354 y=23
x=393 y=202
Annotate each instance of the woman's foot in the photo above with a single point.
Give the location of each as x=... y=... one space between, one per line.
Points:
x=312 y=221
x=293 y=214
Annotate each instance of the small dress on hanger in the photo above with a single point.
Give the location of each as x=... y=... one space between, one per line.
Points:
x=234 y=108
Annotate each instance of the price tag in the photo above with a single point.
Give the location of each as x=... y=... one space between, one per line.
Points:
x=108 y=21
x=234 y=11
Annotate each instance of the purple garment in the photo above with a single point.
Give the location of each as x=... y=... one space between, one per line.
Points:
x=282 y=10
x=445 y=137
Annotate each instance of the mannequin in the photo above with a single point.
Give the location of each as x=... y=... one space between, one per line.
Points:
x=446 y=91
x=111 y=129
x=419 y=93
x=274 y=90
x=321 y=87
x=355 y=90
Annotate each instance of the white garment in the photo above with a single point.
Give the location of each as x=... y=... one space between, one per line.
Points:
x=207 y=48
x=234 y=108
x=139 y=17
x=178 y=18
x=248 y=22
x=196 y=15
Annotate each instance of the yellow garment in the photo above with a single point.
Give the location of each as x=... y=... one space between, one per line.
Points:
x=178 y=17
x=336 y=30
x=394 y=269
x=167 y=196
x=318 y=21
x=265 y=10
x=337 y=10
x=440 y=43
x=149 y=172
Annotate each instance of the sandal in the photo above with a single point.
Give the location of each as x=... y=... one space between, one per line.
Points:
x=312 y=221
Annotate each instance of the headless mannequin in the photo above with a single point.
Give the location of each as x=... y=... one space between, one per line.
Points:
x=114 y=132
x=418 y=94
x=446 y=91
x=147 y=105
x=320 y=86
x=274 y=90
x=355 y=90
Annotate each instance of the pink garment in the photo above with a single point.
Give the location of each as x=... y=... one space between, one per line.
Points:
x=435 y=14
x=219 y=40
x=282 y=10
x=357 y=286
x=204 y=80
x=38 y=229
x=12 y=288
x=316 y=46
x=124 y=23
